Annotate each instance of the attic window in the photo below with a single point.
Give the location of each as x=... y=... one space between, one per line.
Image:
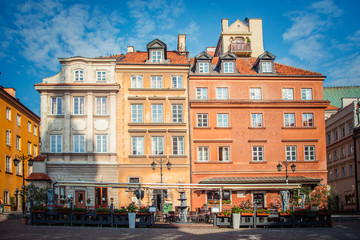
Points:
x=228 y=67
x=266 y=67
x=156 y=56
x=203 y=67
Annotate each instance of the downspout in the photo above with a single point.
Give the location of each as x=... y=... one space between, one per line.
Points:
x=189 y=130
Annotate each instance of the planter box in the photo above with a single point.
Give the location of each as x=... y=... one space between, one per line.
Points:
x=247 y=214
x=79 y=213
x=285 y=214
x=262 y=214
x=120 y=214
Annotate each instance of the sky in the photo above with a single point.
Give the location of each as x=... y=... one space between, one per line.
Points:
x=321 y=36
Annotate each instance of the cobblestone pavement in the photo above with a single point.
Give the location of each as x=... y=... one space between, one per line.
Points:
x=15 y=229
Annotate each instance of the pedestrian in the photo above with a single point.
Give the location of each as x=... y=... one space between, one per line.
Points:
x=2 y=206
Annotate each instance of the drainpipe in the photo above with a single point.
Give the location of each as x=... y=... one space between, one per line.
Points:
x=356 y=169
x=189 y=130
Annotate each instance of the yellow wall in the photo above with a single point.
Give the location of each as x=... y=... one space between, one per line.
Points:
x=10 y=181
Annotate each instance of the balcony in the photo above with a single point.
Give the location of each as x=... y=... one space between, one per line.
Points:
x=241 y=49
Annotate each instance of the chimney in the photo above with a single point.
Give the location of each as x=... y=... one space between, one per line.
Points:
x=181 y=43
x=130 y=49
x=224 y=24
x=10 y=91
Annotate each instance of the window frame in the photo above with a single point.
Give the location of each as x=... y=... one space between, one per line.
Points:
x=177 y=113
x=8 y=137
x=177 y=146
x=156 y=82
x=201 y=93
x=156 y=56
x=309 y=153
x=8 y=113
x=255 y=93
x=56 y=141
x=200 y=117
x=291 y=153
x=29 y=149
x=289 y=120
x=203 y=156
x=305 y=94
x=18 y=120
x=79 y=143
x=288 y=94
x=79 y=75
x=137 y=114
x=258 y=153
x=228 y=67
x=255 y=120
x=137 y=81
x=18 y=143
x=56 y=106
x=177 y=82
x=266 y=67
x=101 y=108
x=157 y=113
x=222 y=120
x=308 y=121
x=101 y=76
x=157 y=145
x=8 y=164
x=225 y=150
x=137 y=145
x=78 y=105
x=101 y=143
x=222 y=93
x=203 y=67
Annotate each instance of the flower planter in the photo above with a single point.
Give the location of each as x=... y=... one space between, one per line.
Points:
x=120 y=214
x=247 y=214
x=79 y=213
x=262 y=214
x=222 y=215
x=103 y=213
x=285 y=214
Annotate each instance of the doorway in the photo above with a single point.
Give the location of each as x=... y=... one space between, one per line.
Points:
x=80 y=199
x=259 y=200
x=157 y=198
x=101 y=197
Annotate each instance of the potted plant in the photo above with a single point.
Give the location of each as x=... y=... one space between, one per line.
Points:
x=104 y=210
x=286 y=213
x=225 y=213
x=79 y=210
x=62 y=209
x=226 y=201
x=143 y=211
x=131 y=208
x=246 y=209
x=39 y=209
x=262 y=212
x=236 y=213
x=25 y=219
x=319 y=198
x=121 y=211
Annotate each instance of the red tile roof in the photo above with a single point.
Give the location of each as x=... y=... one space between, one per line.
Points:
x=39 y=158
x=38 y=177
x=141 y=57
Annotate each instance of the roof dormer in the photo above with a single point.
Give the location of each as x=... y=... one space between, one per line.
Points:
x=265 y=63
x=226 y=63
x=202 y=63
x=156 y=51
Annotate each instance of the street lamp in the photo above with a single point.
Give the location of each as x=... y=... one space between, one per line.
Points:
x=153 y=166
x=17 y=160
x=286 y=163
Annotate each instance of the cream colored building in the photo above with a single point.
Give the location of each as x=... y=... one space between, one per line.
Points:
x=78 y=128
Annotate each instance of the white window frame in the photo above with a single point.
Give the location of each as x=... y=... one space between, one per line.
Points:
x=156 y=82
x=35 y=150
x=256 y=120
x=228 y=67
x=177 y=144
x=258 y=153
x=157 y=113
x=177 y=82
x=291 y=154
x=309 y=153
x=223 y=120
x=224 y=154
x=29 y=148
x=306 y=94
x=79 y=105
x=288 y=94
x=202 y=120
x=101 y=105
x=35 y=130
x=156 y=56
x=201 y=93
x=18 y=143
x=8 y=164
x=8 y=137
x=137 y=81
x=177 y=113
x=255 y=93
x=29 y=127
x=56 y=105
x=203 y=67
x=19 y=170
x=137 y=145
x=56 y=143
x=101 y=76
x=308 y=120
x=266 y=67
x=222 y=93
x=79 y=75
x=157 y=146
x=101 y=145
x=8 y=114
x=289 y=120
x=137 y=113
x=79 y=143
x=203 y=154
x=18 y=120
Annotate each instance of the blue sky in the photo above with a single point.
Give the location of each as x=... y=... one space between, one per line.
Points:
x=322 y=36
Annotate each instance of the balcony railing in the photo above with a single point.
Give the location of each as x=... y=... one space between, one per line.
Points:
x=240 y=47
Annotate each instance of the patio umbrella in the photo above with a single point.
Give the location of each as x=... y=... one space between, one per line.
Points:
x=303 y=197
x=285 y=197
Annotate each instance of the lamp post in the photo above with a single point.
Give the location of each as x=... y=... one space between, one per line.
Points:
x=17 y=160
x=153 y=166
x=286 y=163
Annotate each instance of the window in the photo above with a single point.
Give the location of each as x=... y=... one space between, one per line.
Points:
x=335 y=155
x=8 y=164
x=56 y=105
x=101 y=105
x=6 y=197
x=29 y=148
x=203 y=67
x=134 y=180
x=228 y=67
x=137 y=145
x=351 y=149
x=35 y=150
x=178 y=145
x=222 y=120
x=177 y=82
x=290 y=153
x=342 y=131
x=156 y=82
x=215 y=196
x=201 y=93
x=177 y=113
x=35 y=130
x=224 y=154
x=222 y=93
x=307 y=119
x=79 y=75
x=350 y=128
x=136 y=82
x=306 y=94
x=329 y=157
x=335 y=133
x=101 y=143
x=202 y=120
x=258 y=153
x=100 y=76
x=256 y=120
x=336 y=174
x=157 y=145
x=289 y=120
x=328 y=138
x=18 y=119
x=309 y=153
x=255 y=93
x=203 y=154
x=266 y=67
x=343 y=171
x=136 y=113
x=157 y=113
x=18 y=143
x=79 y=103
x=29 y=127
x=288 y=94
x=79 y=143
x=56 y=143
x=19 y=169
x=156 y=56
x=342 y=152
x=8 y=113
x=351 y=170
x=8 y=138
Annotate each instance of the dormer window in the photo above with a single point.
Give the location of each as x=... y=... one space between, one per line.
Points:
x=226 y=63
x=156 y=56
x=266 y=67
x=157 y=52
x=265 y=63
x=203 y=67
x=79 y=75
x=228 y=67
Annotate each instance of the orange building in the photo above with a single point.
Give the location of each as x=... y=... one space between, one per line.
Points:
x=247 y=116
x=19 y=136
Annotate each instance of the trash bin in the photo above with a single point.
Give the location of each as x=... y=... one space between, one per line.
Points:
x=167 y=207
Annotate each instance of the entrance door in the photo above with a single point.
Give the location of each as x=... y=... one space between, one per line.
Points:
x=157 y=198
x=101 y=197
x=259 y=200
x=80 y=199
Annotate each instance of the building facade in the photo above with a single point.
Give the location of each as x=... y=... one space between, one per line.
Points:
x=78 y=129
x=19 y=136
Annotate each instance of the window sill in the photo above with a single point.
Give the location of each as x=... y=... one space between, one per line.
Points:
x=156 y=124
x=202 y=127
x=178 y=156
x=137 y=156
x=9 y=172
x=257 y=128
x=298 y=127
x=55 y=115
x=222 y=127
x=78 y=115
x=157 y=156
x=156 y=89
x=307 y=161
x=101 y=115
x=258 y=162
x=213 y=162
